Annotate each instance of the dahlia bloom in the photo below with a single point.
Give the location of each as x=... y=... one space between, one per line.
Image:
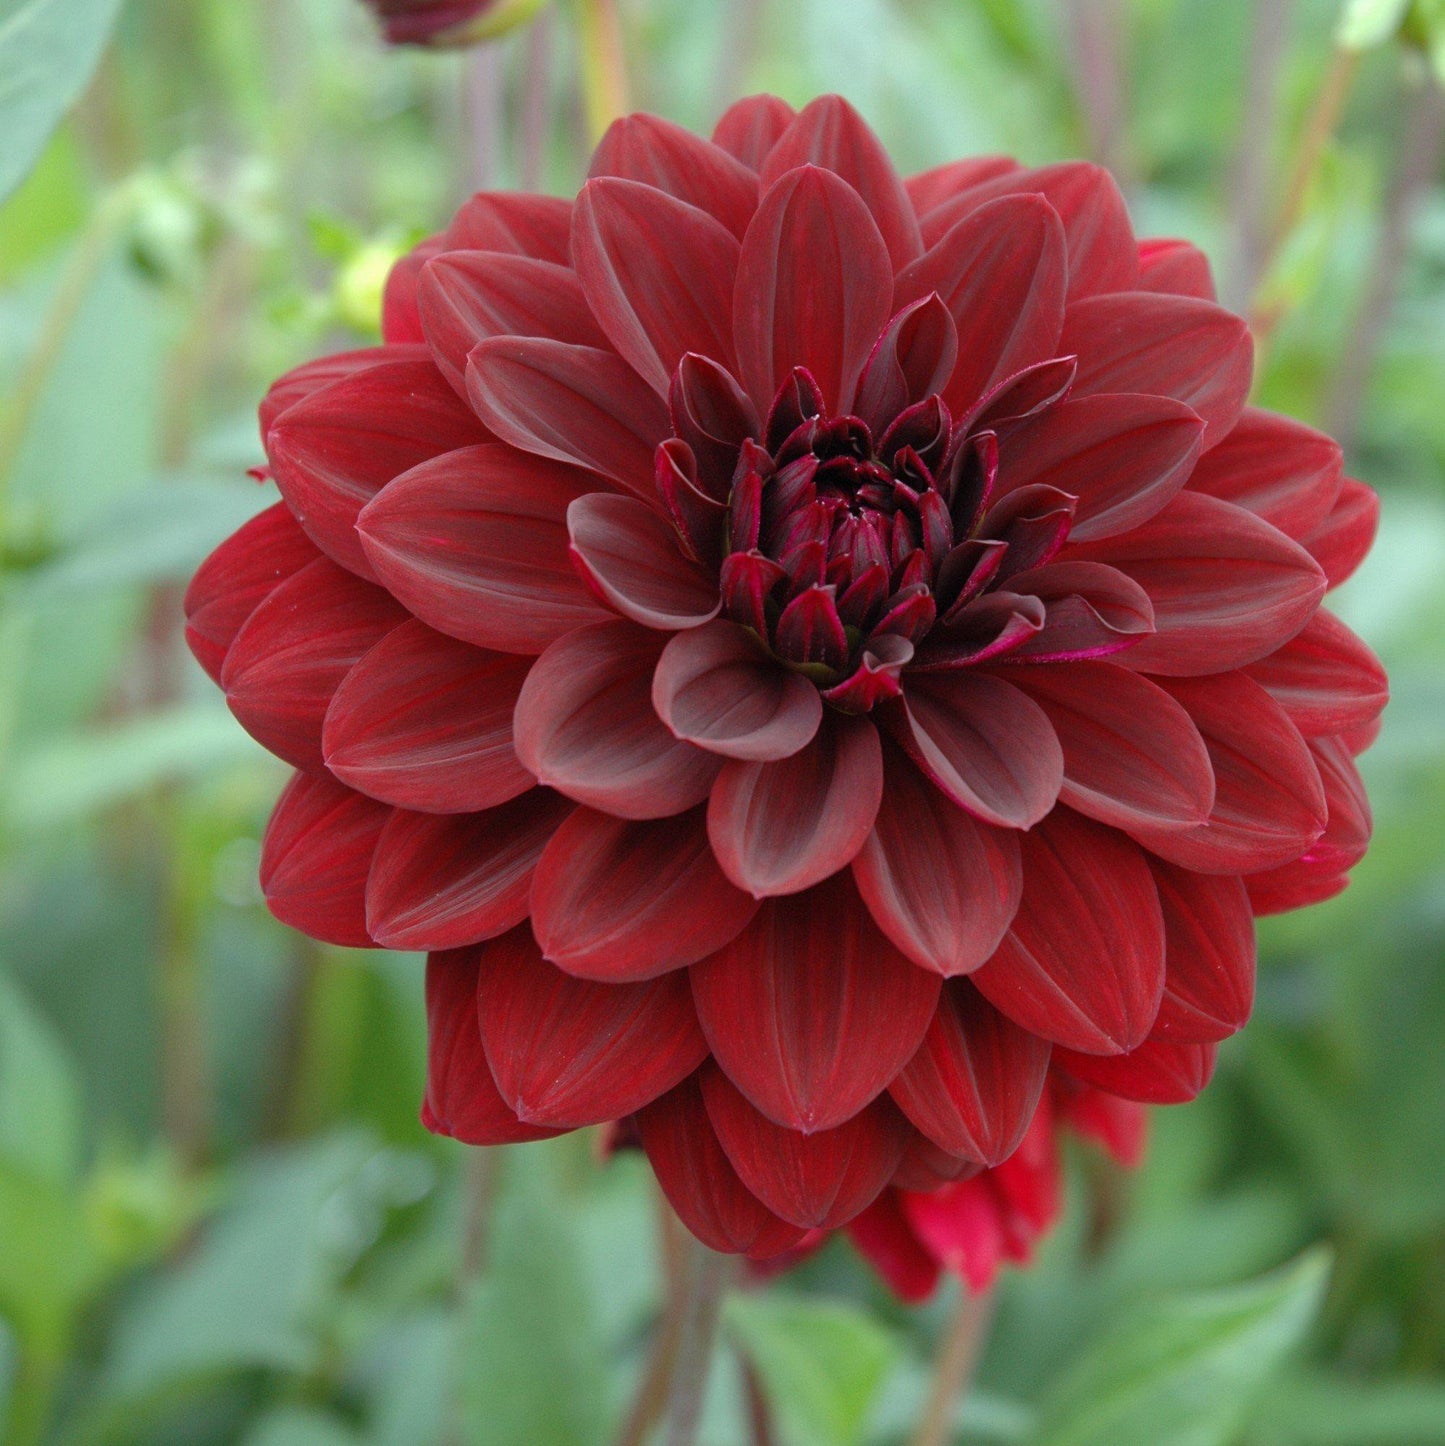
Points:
x=448 y=22
x=806 y=653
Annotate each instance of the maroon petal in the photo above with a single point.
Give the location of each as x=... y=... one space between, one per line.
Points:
x=442 y=880
x=1091 y=610
x=315 y=857
x=930 y=189
x=941 y=885
x=425 y=722
x=334 y=451
x=1208 y=955
x=749 y=128
x=462 y=1099
x=1169 y=346
x=1083 y=964
x=1001 y=273
x=810 y=1011
x=300 y=382
x=976 y=1080
x=618 y=900
x=1269 y=804
x=585 y=724
x=911 y=361
x=475 y=543
x=658 y=274
x=1132 y=755
x=515 y=222
x=700 y=1182
x=1175 y=267
x=987 y=745
x=717 y=687
x=1325 y=678
x=779 y=827
x=568 y=1052
x=632 y=559
x=883 y=1236
x=990 y=626
x=467 y=296
x=925 y=1166
x=1340 y=542
x=1227 y=588
x=237 y=577
x=813 y=288
x=400 y=315
x=1123 y=457
x=292 y=653
x=571 y=403
x=665 y=156
x=1159 y=1072
x=831 y=134
x=1284 y=472
x=820 y=1180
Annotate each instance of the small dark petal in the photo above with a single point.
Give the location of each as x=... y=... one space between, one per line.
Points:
x=700 y=520
x=912 y=572
x=904 y=541
x=810 y=630
x=1034 y=521
x=791 y=489
x=988 y=628
x=713 y=415
x=908 y=464
x=870 y=547
x=1024 y=394
x=925 y=427
x=876 y=677
x=909 y=616
x=812 y=523
x=863 y=596
x=912 y=360
x=745 y=512
x=746 y=579
x=806 y=564
x=799 y=399
x=965 y=572
x=968 y=480
x=937 y=528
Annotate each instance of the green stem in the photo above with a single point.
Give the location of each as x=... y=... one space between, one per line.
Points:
x=710 y=1276
x=604 y=65
x=953 y=1370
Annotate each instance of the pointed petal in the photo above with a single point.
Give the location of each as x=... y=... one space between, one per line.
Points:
x=1132 y=755
x=1001 y=273
x=618 y=900
x=425 y=722
x=585 y=724
x=1227 y=588
x=334 y=451
x=315 y=857
x=700 y=1182
x=1209 y=954
x=962 y=1227
x=467 y=296
x=885 y=1239
x=475 y=544
x=439 y=881
x=819 y=1181
x=292 y=653
x=1159 y=1072
x=1325 y=678
x=716 y=687
x=1091 y=611
x=567 y=1052
x=1123 y=457
x=570 y=403
x=941 y=885
x=1175 y=267
x=462 y=1100
x=519 y=223
x=930 y=189
x=829 y=133
x=661 y=154
x=658 y=275
x=810 y=1011
x=1083 y=964
x=750 y=128
x=976 y=1080
x=237 y=577
x=911 y=361
x=779 y=827
x=1339 y=544
x=987 y=745
x=1170 y=346
x=1269 y=804
x=300 y=382
x=814 y=288
x=631 y=556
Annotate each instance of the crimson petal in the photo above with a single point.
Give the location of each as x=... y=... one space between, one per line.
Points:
x=1159 y=1072
x=585 y=724
x=520 y=223
x=619 y=900
x=810 y=1011
x=1340 y=542
x=1209 y=954
x=780 y=826
x=883 y=1236
x=311 y=376
x=1325 y=678
x=475 y=543
x=1083 y=963
x=568 y=1052
x=425 y=722
x=941 y=885
x=930 y=189
x=1177 y=267
x=1091 y=610
x=749 y=128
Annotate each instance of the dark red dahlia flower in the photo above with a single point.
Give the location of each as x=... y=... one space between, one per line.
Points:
x=806 y=653
x=447 y=22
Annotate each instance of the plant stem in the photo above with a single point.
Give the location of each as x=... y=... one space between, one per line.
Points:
x=479 y=1187
x=482 y=114
x=709 y=1277
x=1096 y=28
x=760 y=1414
x=604 y=65
x=537 y=101
x=953 y=1370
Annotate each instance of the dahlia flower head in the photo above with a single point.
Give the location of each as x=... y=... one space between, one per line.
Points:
x=448 y=23
x=810 y=656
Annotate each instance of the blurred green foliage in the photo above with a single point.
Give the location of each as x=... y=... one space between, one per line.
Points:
x=219 y=1218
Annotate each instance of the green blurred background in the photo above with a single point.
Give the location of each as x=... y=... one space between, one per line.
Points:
x=220 y=1220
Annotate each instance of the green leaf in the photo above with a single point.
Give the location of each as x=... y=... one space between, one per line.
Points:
x=1320 y=1411
x=821 y=1362
x=534 y=1369
x=301 y=1426
x=1184 y=1371
x=40 y=1110
x=48 y=51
